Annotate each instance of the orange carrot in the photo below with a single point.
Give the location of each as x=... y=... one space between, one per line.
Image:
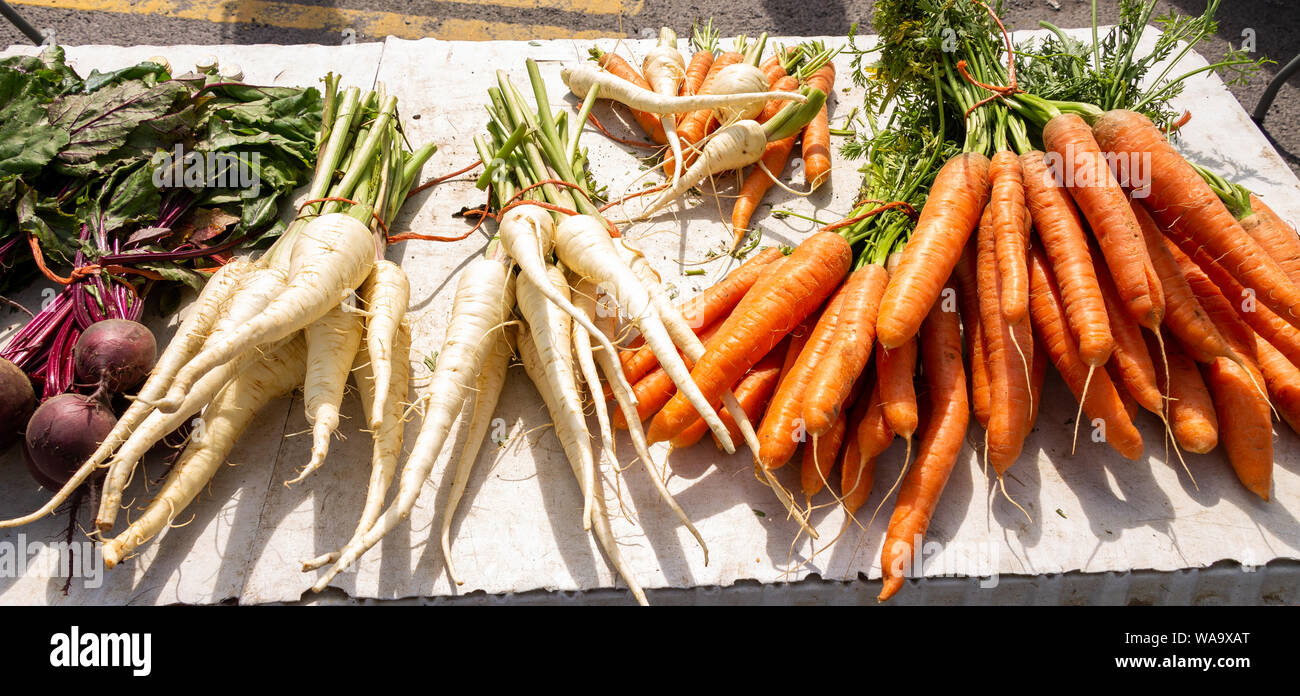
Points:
x=649 y=122
x=783 y=427
x=782 y=83
x=1079 y=163
x=1283 y=380
x=817 y=134
x=1009 y=405
x=895 y=370
x=832 y=379
x=973 y=333
x=1218 y=308
x=722 y=297
x=752 y=393
x=1131 y=360
x=1102 y=400
x=696 y=71
x=1179 y=199
x=952 y=211
x=1245 y=424
x=857 y=471
x=639 y=362
x=1191 y=410
x=798 y=339
x=819 y=456
x=1184 y=316
x=1276 y=237
x=1274 y=329
x=1130 y=404
x=706 y=308
x=874 y=434
x=772 y=68
x=793 y=345
x=1058 y=225
x=770 y=310
x=1007 y=199
x=981 y=387
x=652 y=392
x=941 y=443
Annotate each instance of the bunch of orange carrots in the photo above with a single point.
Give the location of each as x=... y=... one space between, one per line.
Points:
x=785 y=69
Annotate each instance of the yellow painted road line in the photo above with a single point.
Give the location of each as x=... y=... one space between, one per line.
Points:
x=475 y=30
x=374 y=23
x=606 y=7
x=283 y=15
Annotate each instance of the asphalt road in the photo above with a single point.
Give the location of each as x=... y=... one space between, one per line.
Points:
x=1274 y=26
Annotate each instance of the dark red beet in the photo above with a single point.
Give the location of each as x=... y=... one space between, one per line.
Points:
x=116 y=354
x=17 y=401
x=62 y=433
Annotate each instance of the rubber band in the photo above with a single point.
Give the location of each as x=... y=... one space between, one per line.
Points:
x=998 y=92
x=439 y=180
x=336 y=199
x=481 y=212
x=904 y=205
x=858 y=218
x=405 y=236
x=634 y=143
x=624 y=199
x=544 y=182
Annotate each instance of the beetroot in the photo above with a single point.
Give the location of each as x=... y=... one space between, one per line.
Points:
x=115 y=354
x=62 y=434
x=17 y=401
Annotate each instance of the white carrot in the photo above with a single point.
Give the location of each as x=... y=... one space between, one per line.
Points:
x=527 y=234
x=665 y=69
x=484 y=298
x=573 y=443
x=553 y=338
x=388 y=437
x=260 y=285
x=155 y=426
x=330 y=258
x=731 y=147
x=609 y=364
x=332 y=343
x=584 y=245
x=487 y=388
x=385 y=293
x=199 y=319
x=739 y=78
x=273 y=376
x=581 y=78
x=582 y=353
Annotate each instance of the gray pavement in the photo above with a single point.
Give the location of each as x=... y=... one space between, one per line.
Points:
x=1274 y=24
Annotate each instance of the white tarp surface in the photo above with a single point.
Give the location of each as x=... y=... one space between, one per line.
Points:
x=518 y=528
